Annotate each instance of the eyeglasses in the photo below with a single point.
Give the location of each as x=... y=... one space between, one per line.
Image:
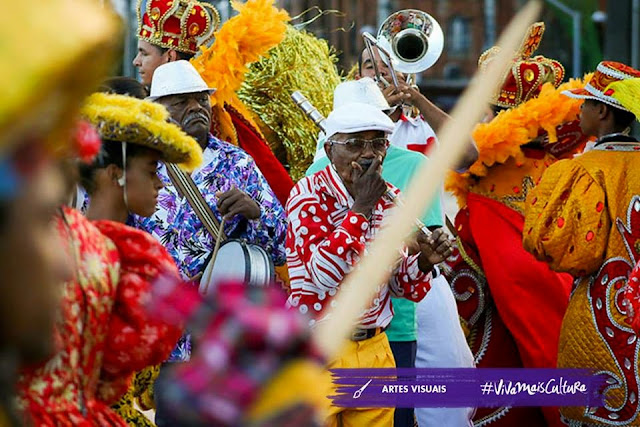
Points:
x=358 y=144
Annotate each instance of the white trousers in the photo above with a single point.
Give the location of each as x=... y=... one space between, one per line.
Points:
x=441 y=344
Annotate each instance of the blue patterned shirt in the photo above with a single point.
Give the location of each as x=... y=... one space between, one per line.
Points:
x=183 y=234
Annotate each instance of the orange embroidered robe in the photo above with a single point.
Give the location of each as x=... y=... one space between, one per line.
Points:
x=584 y=218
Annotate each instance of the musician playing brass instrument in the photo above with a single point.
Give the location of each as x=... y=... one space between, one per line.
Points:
x=410 y=41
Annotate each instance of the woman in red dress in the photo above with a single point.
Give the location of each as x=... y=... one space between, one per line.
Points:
x=104 y=333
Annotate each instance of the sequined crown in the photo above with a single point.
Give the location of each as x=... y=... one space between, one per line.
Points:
x=527 y=74
x=182 y=25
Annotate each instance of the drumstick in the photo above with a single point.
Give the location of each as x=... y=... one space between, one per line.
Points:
x=219 y=237
x=358 y=288
x=215 y=252
x=450 y=226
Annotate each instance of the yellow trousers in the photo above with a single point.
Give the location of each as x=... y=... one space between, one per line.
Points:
x=372 y=353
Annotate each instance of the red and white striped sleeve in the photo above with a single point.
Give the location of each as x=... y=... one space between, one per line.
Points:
x=408 y=281
x=326 y=252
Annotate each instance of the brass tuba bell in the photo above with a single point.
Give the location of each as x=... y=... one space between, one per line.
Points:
x=413 y=39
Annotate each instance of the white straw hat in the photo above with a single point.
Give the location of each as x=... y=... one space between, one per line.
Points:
x=176 y=78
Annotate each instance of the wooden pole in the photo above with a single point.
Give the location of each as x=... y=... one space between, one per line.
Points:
x=359 y=287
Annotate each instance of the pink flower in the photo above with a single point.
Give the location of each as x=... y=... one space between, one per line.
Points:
x=87 y=141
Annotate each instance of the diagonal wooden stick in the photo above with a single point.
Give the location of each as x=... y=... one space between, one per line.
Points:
x=216 y=248
x=358 y=288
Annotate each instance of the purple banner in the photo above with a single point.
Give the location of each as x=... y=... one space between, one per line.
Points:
x=459 y=388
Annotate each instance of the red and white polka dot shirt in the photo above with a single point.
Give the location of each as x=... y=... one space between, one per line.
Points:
x=325 y=239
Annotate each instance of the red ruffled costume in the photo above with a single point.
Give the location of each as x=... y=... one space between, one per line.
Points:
x=103 y=334
x=512 y=303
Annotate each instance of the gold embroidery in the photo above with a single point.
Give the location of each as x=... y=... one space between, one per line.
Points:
x=468 y=259
x=516 y=201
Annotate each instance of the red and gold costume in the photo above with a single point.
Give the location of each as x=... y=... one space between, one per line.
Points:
x=630 y=95
x=512 y=305
x=632 y=294
x=42 y=93
x=103 y=334
x=121 y=119
x=584 y=219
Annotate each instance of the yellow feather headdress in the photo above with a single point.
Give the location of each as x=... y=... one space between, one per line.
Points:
x=300 y=62
x=243 y=39
x=627 y=93
x=501 y=139
x=126 y=119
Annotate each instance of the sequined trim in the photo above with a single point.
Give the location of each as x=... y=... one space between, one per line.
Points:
x=618 y=146
x=468 y=259
x=494 y=416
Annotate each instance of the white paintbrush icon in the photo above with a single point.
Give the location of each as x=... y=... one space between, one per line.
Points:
x=359 y=391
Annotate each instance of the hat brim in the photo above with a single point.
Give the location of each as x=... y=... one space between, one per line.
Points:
x=360 y=129
x=582 y=93
x=184 y=91
x=124 y=119
x=174 y=145
x=579 y=93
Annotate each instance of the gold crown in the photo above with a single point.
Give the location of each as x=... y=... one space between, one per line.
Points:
x=183 y=25
x=527 y=74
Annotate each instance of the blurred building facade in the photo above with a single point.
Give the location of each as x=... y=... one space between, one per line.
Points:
x=470 y=27
x=609 y=29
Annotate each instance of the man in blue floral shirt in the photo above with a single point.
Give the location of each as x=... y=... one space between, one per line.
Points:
x=229 y=180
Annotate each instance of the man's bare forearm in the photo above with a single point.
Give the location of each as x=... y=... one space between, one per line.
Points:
x=436 y=119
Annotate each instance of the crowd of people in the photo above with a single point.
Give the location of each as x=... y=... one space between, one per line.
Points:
x=118 y=197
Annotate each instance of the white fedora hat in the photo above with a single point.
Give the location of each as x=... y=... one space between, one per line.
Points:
x=363 y=91
x=357 y=117
x=176 y=78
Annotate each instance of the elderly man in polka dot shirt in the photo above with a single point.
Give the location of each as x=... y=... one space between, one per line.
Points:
x=332 y=217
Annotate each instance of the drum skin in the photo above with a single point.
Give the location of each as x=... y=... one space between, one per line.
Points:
x=238 y=261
